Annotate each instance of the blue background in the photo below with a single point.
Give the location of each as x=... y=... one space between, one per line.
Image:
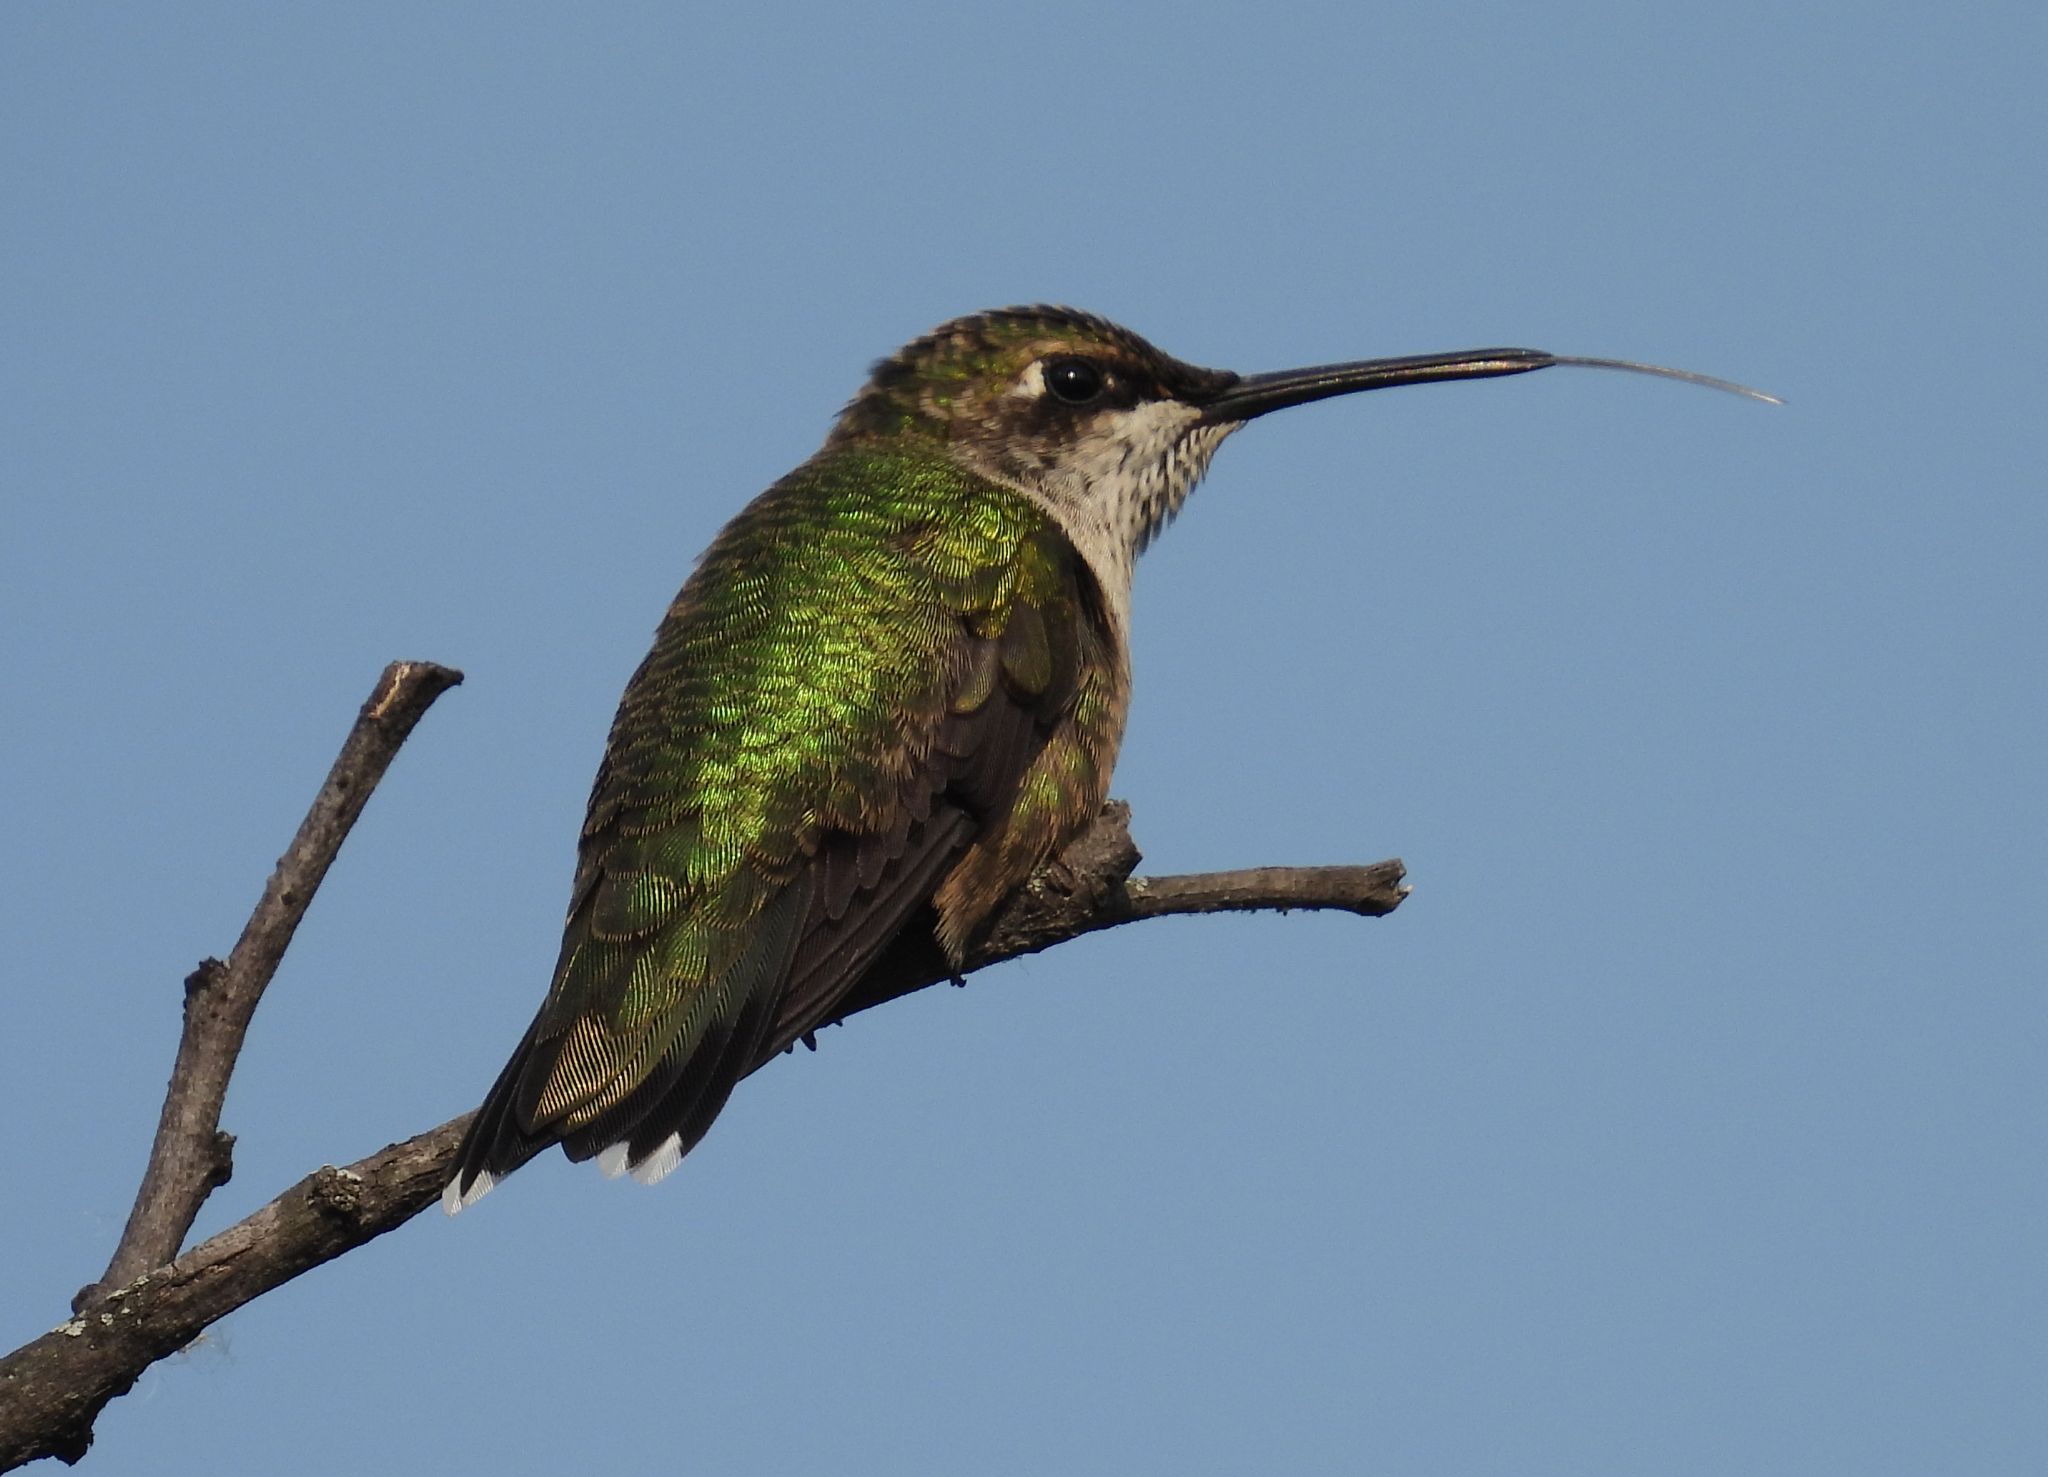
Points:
x=1688 y=1118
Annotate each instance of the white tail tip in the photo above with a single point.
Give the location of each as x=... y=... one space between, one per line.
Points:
x=667 y=1155
x=616 y=1159
x=455 y=1200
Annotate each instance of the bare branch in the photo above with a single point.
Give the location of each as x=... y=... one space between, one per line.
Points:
x=191 y=1156
x=1371 y=892
x=52 y=1389
x=1089 y=887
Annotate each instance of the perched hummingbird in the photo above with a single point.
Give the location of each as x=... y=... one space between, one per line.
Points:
x=894 y=686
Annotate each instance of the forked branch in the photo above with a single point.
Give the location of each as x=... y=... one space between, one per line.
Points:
x=148 y=1305
x=191 y=1156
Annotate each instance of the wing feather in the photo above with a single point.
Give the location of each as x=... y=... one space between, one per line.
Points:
x=754 y=843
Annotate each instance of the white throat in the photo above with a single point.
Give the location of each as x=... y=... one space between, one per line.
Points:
x=1112 y=491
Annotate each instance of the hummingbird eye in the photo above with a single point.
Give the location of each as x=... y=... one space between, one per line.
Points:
x=1076 y=381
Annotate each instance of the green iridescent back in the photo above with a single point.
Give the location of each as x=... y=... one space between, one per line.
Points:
x=886 y=675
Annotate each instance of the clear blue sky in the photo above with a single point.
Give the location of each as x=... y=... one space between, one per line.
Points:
x=1689 y=1119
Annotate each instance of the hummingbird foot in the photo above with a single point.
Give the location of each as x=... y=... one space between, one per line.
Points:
x=1056 y=875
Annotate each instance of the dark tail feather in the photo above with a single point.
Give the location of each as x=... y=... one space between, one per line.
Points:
x=494 y=1144
x=681 y=1102
x=682 y=1096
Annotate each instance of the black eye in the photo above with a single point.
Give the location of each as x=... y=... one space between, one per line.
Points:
x=1075 y=381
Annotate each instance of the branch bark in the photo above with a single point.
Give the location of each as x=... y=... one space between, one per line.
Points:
x=191 y=1157
x=53 y=1388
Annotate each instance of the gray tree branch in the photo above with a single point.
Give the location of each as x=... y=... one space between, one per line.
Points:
x=150 y=1305
x=191 y=1157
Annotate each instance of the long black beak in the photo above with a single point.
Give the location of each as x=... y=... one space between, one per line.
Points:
x=1255 y=394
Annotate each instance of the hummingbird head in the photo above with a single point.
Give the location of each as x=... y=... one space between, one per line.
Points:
x=1105 y=431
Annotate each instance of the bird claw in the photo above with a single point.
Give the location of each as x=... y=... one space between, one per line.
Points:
x=1060 y=877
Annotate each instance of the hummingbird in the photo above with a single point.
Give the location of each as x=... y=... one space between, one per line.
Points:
x=894 y=685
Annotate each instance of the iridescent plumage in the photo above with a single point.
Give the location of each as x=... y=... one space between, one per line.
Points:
x=890 y=690
x=894 y=686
